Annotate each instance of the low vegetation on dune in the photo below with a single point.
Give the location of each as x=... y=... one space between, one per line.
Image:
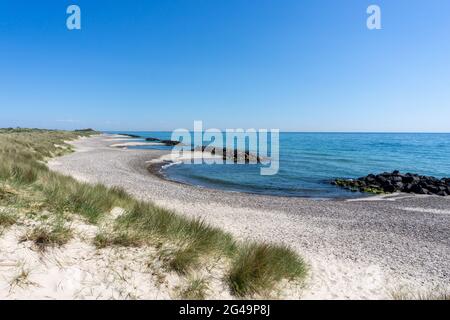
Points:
x=258 y=267
x=47 y=236
x=7 y=219
x=195 y=289
x=184 y=245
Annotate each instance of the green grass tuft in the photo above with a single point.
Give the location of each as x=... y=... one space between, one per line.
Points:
x=258 y=267
x=122 y=239
x=7 y=219
x=195 y=289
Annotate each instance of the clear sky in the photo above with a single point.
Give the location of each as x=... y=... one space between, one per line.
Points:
x=159 y=65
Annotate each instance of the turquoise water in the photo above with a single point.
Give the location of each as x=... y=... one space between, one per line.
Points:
x=309 y=161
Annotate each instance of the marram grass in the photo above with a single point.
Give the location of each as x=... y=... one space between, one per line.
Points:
x=257 y=268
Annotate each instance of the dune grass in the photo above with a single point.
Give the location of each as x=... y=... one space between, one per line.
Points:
x=21 y=279
x=7 y=219
x=49 y=236
x=121 y=239
x=64 y=194
x=257 y=268
x=193 y=238
x=195 y=289
x=253 y=269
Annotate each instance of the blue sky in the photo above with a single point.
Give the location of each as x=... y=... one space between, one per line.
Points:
x=160 y=65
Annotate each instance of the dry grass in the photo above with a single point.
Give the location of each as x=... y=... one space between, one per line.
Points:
x=7 y=219
x=121 y=239
x=195 y=289
x=436 y=294
x=21 y=279
x=49 y=236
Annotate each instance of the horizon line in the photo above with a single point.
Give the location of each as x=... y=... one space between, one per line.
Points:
x=288 y=131
x=281 y=131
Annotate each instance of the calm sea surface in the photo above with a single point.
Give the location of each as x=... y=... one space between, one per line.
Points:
x=309 y=161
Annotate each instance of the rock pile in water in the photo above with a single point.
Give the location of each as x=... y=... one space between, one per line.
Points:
x=390 y=182
x=226 y=153
x=129 y=135
x=166 y=142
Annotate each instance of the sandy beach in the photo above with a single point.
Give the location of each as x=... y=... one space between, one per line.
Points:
x=360 y=249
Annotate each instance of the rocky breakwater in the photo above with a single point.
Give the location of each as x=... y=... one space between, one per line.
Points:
x=227 y=153
x=166 y=142
x=130 y=135
x=390 y=182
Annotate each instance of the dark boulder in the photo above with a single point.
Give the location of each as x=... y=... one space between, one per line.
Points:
x=398 y=185
x=381 y=179
x=433 y=189
x=166 y=142
x=389 y=188
x=410 y=179
x=407 y=187
x=417 y=189
x=170 y=142
x=423 y=183
x=386 y=184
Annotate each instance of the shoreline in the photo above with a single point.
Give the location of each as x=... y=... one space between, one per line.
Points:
x=155 y=169
x=156 y=166
x=356 y=249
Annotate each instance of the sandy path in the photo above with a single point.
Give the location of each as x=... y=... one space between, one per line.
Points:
x=356 y=249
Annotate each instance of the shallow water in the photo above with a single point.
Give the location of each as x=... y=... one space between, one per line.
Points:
x=309 y=161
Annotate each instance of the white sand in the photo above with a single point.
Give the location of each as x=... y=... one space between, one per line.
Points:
x=75 y=271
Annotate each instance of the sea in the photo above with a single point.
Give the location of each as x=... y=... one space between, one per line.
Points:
x=309 y=162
